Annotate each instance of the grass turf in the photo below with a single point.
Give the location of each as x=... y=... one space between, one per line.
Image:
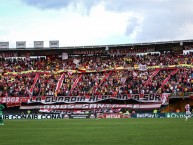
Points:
x=97 y=132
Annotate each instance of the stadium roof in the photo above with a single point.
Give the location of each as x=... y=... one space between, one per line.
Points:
x=178 y=42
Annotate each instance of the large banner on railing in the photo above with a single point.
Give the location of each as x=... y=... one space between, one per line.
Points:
x=48 y=108
x=159 y=98
x=156 y=98
x=103 y=70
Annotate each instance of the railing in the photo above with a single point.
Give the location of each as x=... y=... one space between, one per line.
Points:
x=181 y=95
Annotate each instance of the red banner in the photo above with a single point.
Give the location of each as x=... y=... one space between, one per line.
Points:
x=154 y=74
x=76 y=82
x=105 y=77
x=59 y=84
x=34 y=83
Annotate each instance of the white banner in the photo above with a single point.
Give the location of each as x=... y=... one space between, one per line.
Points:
x=53 y=44
x=64 y=56
x=38 y=44
x=93 y=106
x=142 y=67
x=4 y=44
x=76 y=61
x=20 y=44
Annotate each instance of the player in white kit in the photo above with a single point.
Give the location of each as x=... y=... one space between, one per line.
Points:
x=188 y=113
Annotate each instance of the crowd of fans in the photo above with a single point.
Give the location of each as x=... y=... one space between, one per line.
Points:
x=106 y=75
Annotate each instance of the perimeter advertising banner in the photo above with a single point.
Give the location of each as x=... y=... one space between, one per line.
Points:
x=48 y=116
x=113 y=115
x=33 y=116
x=98 y=115
x=79 y=116
x=176 y=115
x=148 y=115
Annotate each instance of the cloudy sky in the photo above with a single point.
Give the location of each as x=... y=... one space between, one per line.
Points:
x=95 y=22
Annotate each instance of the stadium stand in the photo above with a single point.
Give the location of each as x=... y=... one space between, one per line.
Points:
x=157 y=72
x=98 y=81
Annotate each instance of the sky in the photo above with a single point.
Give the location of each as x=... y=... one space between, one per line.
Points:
x=95 y=22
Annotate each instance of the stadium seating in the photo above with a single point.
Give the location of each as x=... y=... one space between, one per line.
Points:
x=102 y=75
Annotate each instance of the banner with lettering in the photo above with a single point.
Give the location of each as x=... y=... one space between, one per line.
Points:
x=161 y=98
x=48 y=108
x=113 y=115
x=155 y=98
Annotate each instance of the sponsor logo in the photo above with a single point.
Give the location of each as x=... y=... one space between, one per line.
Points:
x=33 y=116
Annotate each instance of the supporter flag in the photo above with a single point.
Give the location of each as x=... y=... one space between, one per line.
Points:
x=105 y=77
x=154 y=74
x=167 y=79
x=142 y=67
x=76 y=61
x=81 y=69
x=34 y=83
x=64 y=56
x=76 y=82
x=174 y=72
x=59 y=84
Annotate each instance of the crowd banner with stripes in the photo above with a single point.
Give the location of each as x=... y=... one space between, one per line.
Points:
x=167 y=79
x=150 y=78
x=60 y=81
x=34 y=83
x=104 y=78
x=76 y=82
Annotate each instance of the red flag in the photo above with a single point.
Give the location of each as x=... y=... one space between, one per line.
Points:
x=75 y=82
x=60 y=81
x=34 y=83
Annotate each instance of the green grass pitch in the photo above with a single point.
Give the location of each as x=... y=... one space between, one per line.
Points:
x=97 y=132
